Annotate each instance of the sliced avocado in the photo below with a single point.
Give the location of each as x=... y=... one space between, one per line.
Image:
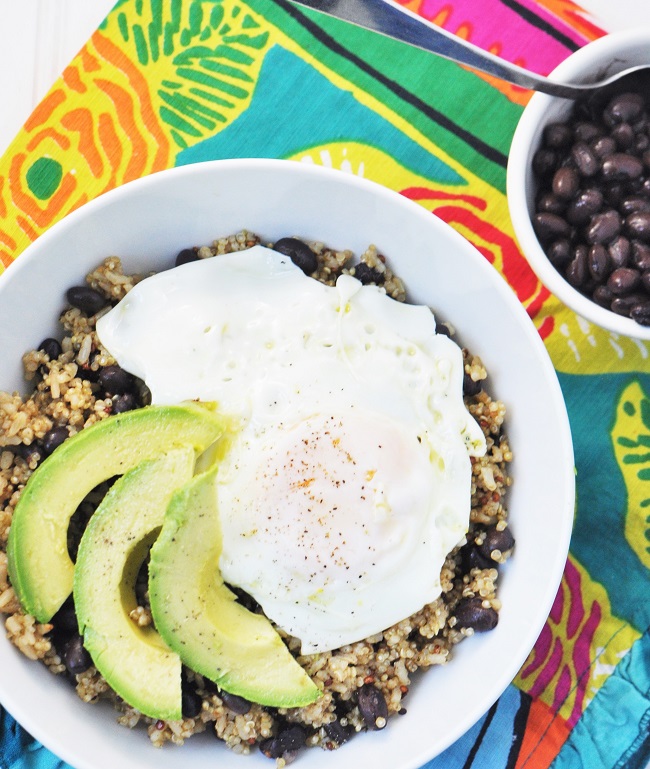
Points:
x=198 y=616
x=40 y=568
x=134 y=660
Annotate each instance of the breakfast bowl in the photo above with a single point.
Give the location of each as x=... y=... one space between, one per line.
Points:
x=575 y=280
x=148 y=223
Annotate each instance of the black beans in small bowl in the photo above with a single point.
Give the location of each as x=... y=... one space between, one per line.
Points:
x=592 y=205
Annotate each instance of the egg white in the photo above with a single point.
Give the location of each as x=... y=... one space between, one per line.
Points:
x=348 y=480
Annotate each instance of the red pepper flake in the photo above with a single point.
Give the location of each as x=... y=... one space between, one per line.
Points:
x=251 y=740
x=369 y=680
x=404 y=689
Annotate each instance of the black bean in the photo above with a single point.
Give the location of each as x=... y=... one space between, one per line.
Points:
x=641 y=313
x=584 y=206
x=586 y=131
x=245 y=599
x=641 y=143
x=51 y=347
x=578 y=268
x=566 y=183
x=638 y=225
x=604 y=227
x=299 y=253
x=366 y=274
x=544 y=162
x=622 y=305
x=614 y=192
x=550 y=203
x=372 y=706
x=623 y=108
x=559 y=252
x=634 y=186
x=31 y=454
x=143 y=392
x=472 y=558
x=623 y=135
x=65 y=620
x=288 y=740
x=123 y=403
x=621 y=167
x=599 y=262
x=54 y=438
x=645 y=281
x=235 y=703
x=496 y=539
x=586 y=162
x=86 y=299
x=470 y=386
x=191 y=701
x=185 y=256
x=623 y=281
x=75 y=657
x=603 y=147
x=550 y=227
x=338 y=733
x=619 y=251
x=557 y=135
x=640 y=255
x=633 y=204
x=603 y=296
x=470 y=613
x=114 y=380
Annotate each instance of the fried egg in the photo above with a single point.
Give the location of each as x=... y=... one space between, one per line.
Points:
x=348 y=477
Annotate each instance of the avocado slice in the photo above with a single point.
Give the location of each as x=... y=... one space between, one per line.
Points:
x=40 y=567
x=133 y=660
x=198 y=616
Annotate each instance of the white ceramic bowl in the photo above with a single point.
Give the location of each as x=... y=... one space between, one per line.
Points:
x=599 y=59
x=147 y=222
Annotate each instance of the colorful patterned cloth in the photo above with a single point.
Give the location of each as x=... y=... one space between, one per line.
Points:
x=162 y=84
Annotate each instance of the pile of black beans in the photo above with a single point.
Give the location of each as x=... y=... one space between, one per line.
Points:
x=592 y=214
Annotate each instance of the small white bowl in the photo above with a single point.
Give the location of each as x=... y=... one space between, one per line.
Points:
x=599 y=59
x=147 y=222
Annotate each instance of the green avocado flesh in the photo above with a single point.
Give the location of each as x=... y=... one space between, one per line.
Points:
x=198 y=616
x=40 y=567
x=133 y=660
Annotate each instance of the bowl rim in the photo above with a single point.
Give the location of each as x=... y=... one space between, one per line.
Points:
x=582 y=62
x=70 y=753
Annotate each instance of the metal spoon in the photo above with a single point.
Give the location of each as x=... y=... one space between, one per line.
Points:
x=391 y=20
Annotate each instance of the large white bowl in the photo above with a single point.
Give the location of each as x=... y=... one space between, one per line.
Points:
x=147 y=222
x=595 y=61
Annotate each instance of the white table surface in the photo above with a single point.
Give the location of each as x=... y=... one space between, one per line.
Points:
x=39 y=37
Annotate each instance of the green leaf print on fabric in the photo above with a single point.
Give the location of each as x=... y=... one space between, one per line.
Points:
x=216 y=48
x=631 y=440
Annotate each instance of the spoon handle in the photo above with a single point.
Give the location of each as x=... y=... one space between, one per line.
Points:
x=391 y=20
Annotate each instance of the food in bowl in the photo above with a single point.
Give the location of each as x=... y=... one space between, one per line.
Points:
x=362 y=681
x=592 y=206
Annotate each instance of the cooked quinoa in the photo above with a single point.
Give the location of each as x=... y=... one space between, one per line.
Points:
x=362 y=683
